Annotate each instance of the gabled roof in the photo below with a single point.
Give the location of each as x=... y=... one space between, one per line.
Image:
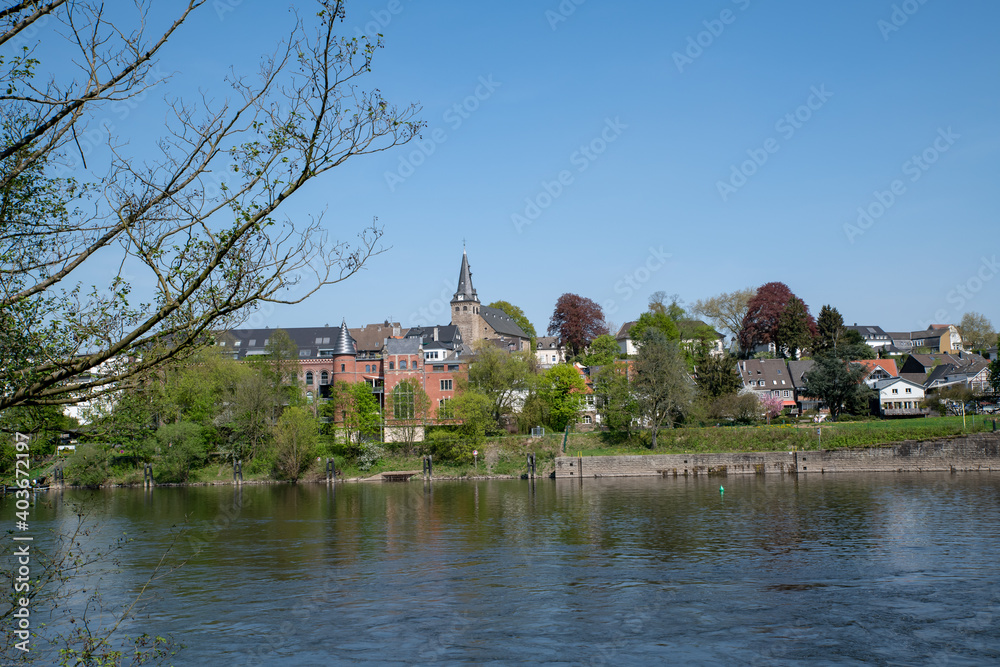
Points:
x=624 y=330
x=888 y=365
x=548 y=343
x=882 y=384
x=870 y=332
x=371 y=337
x=774 y=373
x=798 y=369
x=501 y=322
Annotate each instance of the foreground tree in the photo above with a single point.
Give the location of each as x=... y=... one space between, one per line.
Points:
x=662 y=386
x=977 y=331
x=576 y=320
x=199 y=224
x=837 y=383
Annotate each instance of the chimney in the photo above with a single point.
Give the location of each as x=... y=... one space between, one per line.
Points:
x=435 y=333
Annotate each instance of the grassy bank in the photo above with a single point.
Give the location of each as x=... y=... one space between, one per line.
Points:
x=506 y=456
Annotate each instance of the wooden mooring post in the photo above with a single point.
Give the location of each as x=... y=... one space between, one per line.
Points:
x=237 y=471
x=531 y=465
x=331 y=471
x=147 y=475
x=428 y=468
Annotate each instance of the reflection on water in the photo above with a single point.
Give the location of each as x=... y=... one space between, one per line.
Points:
x=778 y=570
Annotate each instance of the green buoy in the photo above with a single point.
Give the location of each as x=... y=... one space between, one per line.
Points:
x=722 y=490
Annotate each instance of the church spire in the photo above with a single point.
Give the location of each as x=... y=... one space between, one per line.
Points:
x=465 y=291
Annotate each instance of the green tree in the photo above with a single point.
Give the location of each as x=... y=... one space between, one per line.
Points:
x=475 y=413
x=977 y=331
x=603 y=350
x=795 y=330
x=617 y=403
x=44 y=423
x=563 y=390
x=407 y=408
x=852 y=346
x=516 y=314
x=727 y=310
x=838 y=383
x=197 y=224
x=358 y=409
x=662 y=385
x=179 y=447
x=994 y=380
x=249 y=416
x=717 y=376
x=295 y=438
x=659 y=321
x=500 y=376
x=829 y=330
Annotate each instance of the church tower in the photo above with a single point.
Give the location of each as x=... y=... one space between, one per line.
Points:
x=465 y=305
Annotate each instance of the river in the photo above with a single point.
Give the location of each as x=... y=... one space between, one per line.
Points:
x=891 y=569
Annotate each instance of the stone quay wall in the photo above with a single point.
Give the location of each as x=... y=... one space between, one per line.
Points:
x=976 y=452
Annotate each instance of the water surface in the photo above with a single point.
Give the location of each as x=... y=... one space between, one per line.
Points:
x=890 y=569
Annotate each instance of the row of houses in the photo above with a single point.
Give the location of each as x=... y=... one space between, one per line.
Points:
x=900 y=390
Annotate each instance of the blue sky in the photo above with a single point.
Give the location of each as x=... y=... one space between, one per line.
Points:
x=701 y=148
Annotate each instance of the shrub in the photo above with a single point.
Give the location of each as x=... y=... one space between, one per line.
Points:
x=180 y=446
x=88 y=466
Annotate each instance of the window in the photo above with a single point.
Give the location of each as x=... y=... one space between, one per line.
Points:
x=452 y=367
x=222 y=343
x=324 y=378
x=402 y=401
x=402 y=364
x=309 y=377
x=456 y=309
x=895 y=391
x=438 y=368
x=368 y=368
x=236 y=343
x=465 y=307
x=266 y=341
x=253 y=342
x=342 y=368
x=587 y=419
x=445 y=385
x=445 y=409
x=309 y=397
x=788 y=394
x=392 y=365
x=909 y=391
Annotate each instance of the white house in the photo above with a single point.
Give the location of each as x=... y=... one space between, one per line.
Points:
x=549 y=352
x=899 y=397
